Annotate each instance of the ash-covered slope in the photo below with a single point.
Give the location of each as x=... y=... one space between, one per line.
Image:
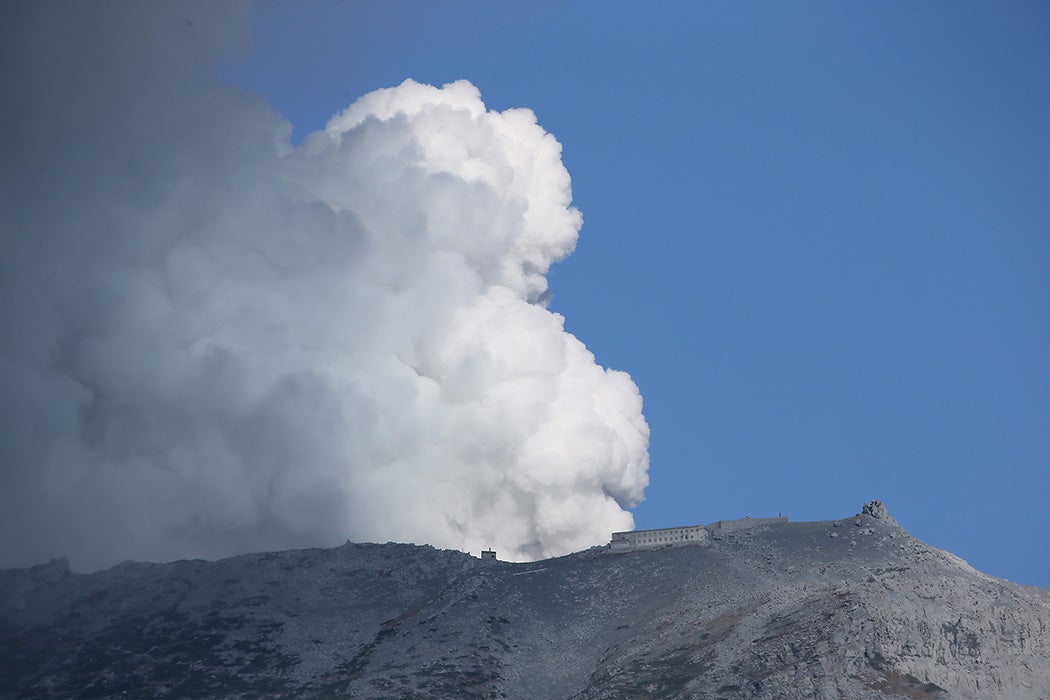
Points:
x=854 y=608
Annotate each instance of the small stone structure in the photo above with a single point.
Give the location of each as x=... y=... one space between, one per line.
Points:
x=682 y=536
x=488 y=555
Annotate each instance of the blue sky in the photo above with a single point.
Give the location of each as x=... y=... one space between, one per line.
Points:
x=816 y=235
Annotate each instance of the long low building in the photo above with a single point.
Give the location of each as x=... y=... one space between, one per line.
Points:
x=685 y=535
x=670 y=536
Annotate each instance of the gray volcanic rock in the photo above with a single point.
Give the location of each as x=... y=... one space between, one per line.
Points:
x=877 y=510
x=854 y=608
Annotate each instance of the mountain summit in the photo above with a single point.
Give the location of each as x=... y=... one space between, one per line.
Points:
x=851 y=608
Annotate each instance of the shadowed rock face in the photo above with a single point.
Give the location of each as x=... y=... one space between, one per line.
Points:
x=853 y=608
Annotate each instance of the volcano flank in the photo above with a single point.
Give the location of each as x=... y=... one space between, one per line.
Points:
x=850 y=608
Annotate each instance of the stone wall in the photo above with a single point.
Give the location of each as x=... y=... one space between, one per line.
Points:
x=745 y=523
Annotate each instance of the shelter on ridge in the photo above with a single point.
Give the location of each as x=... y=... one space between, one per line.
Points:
x=686 y=535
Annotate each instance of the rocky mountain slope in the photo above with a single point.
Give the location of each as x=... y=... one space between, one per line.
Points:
x=853 y=608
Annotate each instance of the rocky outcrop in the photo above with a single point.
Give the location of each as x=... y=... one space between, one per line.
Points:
x=877 y=510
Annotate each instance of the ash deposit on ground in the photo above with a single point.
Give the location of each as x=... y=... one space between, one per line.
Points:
x=762 y=608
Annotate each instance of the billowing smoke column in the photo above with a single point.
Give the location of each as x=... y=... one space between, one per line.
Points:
x=215 y=342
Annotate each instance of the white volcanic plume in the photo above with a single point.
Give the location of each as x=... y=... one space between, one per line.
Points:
x=214 y=341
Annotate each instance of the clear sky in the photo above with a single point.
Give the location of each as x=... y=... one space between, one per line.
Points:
x=817 y=235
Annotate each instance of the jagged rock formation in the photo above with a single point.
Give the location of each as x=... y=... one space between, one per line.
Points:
x=853 y=608
x=877 y=510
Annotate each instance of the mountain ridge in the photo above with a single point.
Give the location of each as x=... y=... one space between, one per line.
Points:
x=850 y=608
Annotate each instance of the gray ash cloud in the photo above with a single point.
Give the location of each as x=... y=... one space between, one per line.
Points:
x=213 y=341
